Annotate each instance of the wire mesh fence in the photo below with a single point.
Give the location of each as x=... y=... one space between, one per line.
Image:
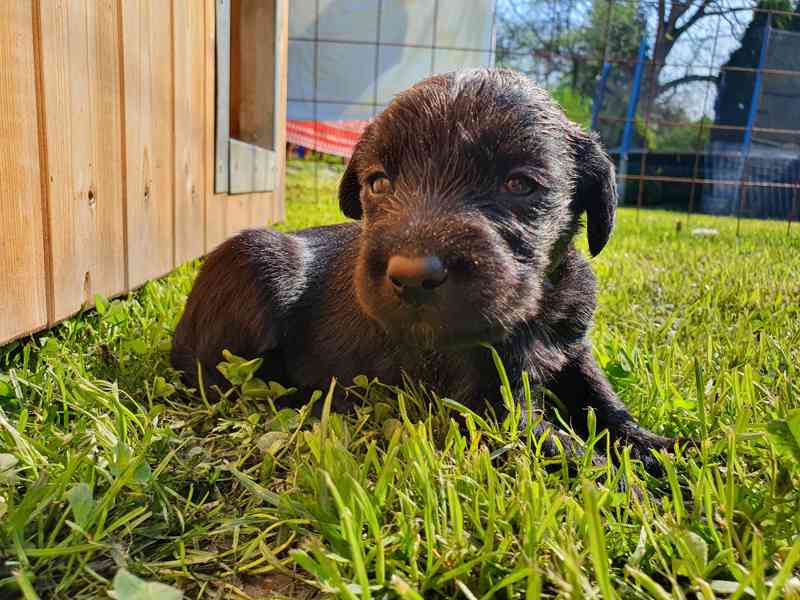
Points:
x=697 y=102
x=348 y=58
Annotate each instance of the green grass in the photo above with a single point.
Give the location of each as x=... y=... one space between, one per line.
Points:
x=109 y=468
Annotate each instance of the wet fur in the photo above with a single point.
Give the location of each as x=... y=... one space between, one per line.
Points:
x=316 y=304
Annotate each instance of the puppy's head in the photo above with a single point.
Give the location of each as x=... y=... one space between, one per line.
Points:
x=470 y=186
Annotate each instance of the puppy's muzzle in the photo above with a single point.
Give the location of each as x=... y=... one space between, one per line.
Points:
x=415 y=279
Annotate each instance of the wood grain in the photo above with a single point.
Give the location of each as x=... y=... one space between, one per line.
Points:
x=239 y=213
x=190 y=132
x=252 y=74
x=215 y=205
x=109 y=107
x=222 y=89
x=81 y=88
x=226 y=215
x=148 y=97
x=261 y=209
x=252 y=168
x=23 y=295
x=282 y=40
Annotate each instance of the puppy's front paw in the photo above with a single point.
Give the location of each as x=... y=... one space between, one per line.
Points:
x=643 y=444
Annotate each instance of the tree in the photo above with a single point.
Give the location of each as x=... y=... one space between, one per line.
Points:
x=562 y=44
x=574 y=35
x=735 y=88
x=541 y=37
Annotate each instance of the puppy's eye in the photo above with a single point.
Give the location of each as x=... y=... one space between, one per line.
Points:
x=519 y=185
x=380 y=184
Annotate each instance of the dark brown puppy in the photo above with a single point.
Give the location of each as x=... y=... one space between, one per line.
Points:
x=467 y=193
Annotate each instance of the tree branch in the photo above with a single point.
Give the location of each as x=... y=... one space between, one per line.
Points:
x=684 y=80
x=701 y=13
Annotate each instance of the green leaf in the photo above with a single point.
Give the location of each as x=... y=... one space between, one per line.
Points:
x=100 y=304
x=783 y=438
x=286 y=419
x=639 y=551
x=390 y=426
x=278 y=391
x=255 y=388
x=162 y=389
x=82 y=503
x=116 y=313
x=255 y=489
x=236 y=369
x=272 y=442
x=50 y=348
x=130 y=587
x=142 y=473
x=381 y=411
x=267 y=468
x=597 y=540
x=698 y=548
x=7 y=463
x=6 y=390
x=136 y=346
x=302 y=558
x=121 y=456
x=312 y=439
x=793 y=421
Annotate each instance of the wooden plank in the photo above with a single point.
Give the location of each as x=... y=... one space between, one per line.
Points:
x=83 y=131
x=282 y=43
x=227 y=215
x=23 y=294
x=215 y=206
x=251 y=168
x=252 y=76
x=223 y=84
x=271 y=19
x=148 y=130
x=261 y=209
x=264 y=170
x=241 y=167
x=190 y=121
x=239 y=213
x=246 y=211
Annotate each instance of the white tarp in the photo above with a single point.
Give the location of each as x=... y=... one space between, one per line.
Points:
x=348 y=58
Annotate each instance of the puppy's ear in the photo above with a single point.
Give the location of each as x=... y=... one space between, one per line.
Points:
x=595 y=189
x=350 y=191
x=349 y=186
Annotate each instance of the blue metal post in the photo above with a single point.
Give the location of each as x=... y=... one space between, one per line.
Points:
x=752 y=114
x=599 y=94
x=629 y=119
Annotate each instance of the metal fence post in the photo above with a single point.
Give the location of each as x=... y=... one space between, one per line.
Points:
x=629 y=118
x=751 y=118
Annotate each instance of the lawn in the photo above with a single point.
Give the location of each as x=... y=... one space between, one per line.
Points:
x=112 y=474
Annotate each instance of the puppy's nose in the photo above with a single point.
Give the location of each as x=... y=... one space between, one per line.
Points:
x=419 y=273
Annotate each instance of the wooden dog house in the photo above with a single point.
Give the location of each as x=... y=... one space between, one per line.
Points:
x=135 y=135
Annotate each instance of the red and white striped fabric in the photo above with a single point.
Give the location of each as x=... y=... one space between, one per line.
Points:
x=330 y=137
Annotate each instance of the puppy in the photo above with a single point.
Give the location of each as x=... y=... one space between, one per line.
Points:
x=466 y=193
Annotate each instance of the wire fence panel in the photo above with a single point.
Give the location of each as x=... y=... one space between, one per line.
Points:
x=349 y=58
x=698 y=102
